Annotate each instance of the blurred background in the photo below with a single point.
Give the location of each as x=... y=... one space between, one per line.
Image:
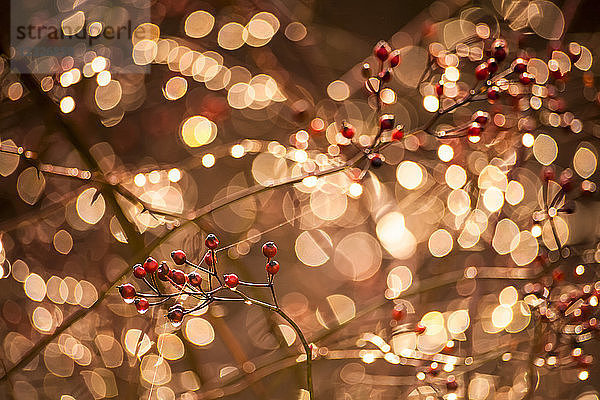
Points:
x=123 y=150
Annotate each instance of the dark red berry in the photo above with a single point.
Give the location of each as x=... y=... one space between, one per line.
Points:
x=474 y=129
x=386 y=122
x=482 y=71
x=433 y=369
x=150 y=265
x=208 y=258
x=142 y=305
x=376 y=161
x=398 y=133
x=139 y=271
x=178 y=277
x=163 y=271
x=269 y=249
x=548 y=174
x=385 y=76
x=520 y=65
x=493 y=93
x=175 y=314
x=558 y=275
x=382 y=50
x=395 y=58
x=347 y=131
x=194 y=279
x=451 y=385
x=492 y=65
x=399 y=312
x=526 y=78
x=499 y=49
x=439 y=89
x=272 y=267
x=211 y=241
x=566 y=180
x=231 y=280
x=178 y=257
x=127 y=291
x=481 y=117
x=556 y=74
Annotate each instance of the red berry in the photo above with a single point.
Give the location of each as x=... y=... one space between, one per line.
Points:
x=474 y=129
x=520 y=65
x=526 y=78
x=347 y=131
x=493 y=93
x=178 y=277
x=481 y=117
x=178 y=257
x=451 y=385
x=398 y=133
x=272 y=267
x=548 y=174
x=376 y=161
x=175 y=314
x=556 y=74
x=163 y=271
x=231 y=280
x=558 y=275
x=194 y=279
x=492 y=65
x=127 y=291
x=208 y=259
x=566 y=180
x=499 y=49
x=386 y=122
x=139 y=271
x=269 y=249
x=142 y=305
x=211 y=241
x=399 y=312
x=482 y=71
x=385 y=76
x=382 y=50
x=395 y=58
x=420 y=329
x=439 y=89
x=150 y=265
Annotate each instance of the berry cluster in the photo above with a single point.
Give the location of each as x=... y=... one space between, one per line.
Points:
x=375 y=84
x=151 y=272
x=569 y=317
x=428 y=371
